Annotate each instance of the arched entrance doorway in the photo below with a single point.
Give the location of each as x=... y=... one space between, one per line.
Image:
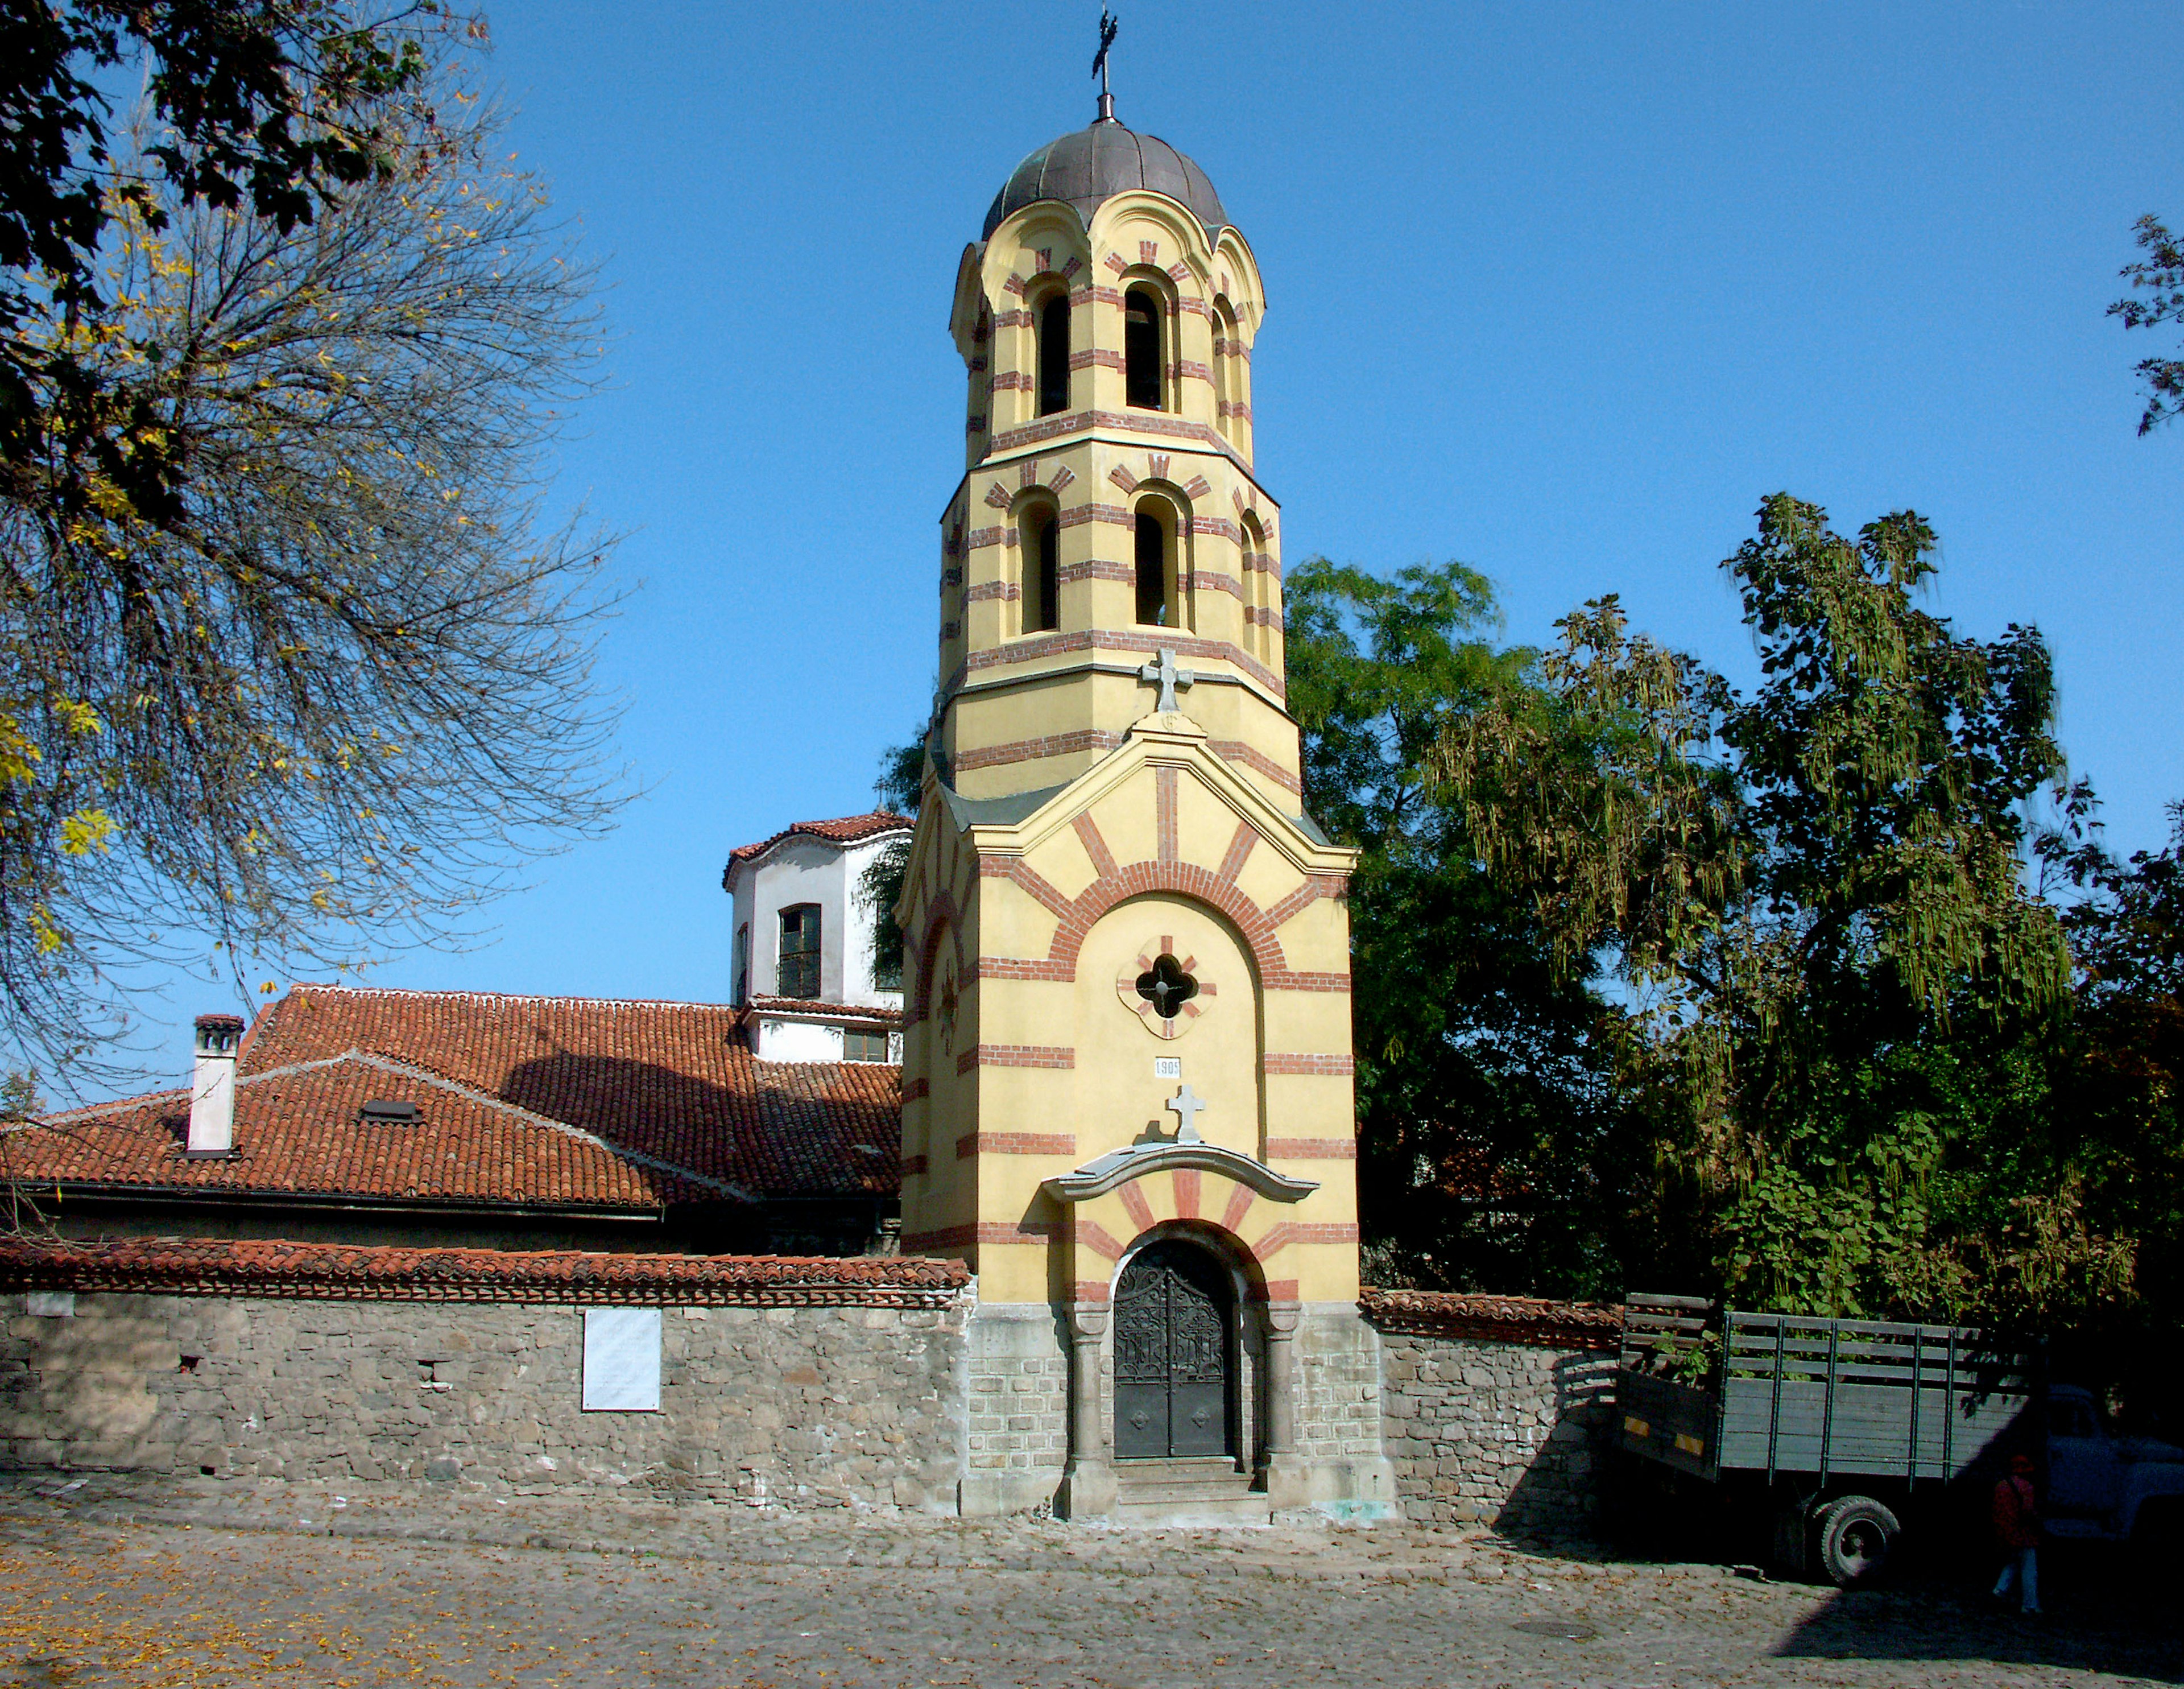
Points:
x=1175 y=1361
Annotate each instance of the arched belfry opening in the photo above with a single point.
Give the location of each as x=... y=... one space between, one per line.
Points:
x=1155 y=538
x=1041 y=530
x=1054 y=353
x=1141 y=350
x=1176 y=1362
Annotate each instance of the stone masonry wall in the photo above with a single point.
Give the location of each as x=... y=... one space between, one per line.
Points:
x=804 y=1407
x=1494 y=1409
x=805 y=1383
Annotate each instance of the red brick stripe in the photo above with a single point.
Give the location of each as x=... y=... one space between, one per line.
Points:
x=1094 y=569
x=1135 y=1205
x=1015 y=1055
x=1020 y=873
x=1297 y=1231
x=1164 y=801
x=1024 y=750
x=1239 y=849
x=1016 y=967
x=1241 y=1198
x=1327 y=1066
x=1235 y=751
x=1095 y=1237
x=1095 y=847
x=983 y=1231
x=1315 y=887
x=1312 y=1149
x=1014 y=1144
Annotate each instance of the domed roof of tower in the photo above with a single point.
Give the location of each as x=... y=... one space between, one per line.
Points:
x=1094 y=165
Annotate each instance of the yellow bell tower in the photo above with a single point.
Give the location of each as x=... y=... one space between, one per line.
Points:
x=1126 y=1095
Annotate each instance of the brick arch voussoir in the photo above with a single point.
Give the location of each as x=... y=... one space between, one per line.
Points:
x=942 y=913
x=1211 y=1236
x=1180 y=879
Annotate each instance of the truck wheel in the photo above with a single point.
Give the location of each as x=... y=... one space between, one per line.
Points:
x=1856 y=1534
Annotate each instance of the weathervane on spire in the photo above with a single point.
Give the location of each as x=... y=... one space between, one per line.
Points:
x=1107 y=26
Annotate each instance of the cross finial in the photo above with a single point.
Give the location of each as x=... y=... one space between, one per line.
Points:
x=1108 y=27
x=1184 y=1105
x=1163 y=673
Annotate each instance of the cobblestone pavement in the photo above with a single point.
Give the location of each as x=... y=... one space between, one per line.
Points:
x=107 y=1584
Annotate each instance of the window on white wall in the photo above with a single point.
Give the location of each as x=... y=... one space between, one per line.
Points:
x=622 y=1360
x=798 y=971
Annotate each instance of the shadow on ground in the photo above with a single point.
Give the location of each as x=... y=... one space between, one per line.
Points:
x=2116 y=1633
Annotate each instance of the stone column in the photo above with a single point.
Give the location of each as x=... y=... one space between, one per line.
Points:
x=1087 y=1484
x=1287 y=1484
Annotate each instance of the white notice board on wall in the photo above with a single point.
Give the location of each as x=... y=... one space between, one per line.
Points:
x=622 y=1360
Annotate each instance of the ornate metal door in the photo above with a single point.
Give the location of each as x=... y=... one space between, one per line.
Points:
x=1172 y=1359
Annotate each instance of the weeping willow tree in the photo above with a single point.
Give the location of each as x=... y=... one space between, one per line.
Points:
x=1814 y=900
x=336 y=689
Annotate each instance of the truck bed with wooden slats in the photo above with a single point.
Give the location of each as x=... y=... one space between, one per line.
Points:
x=1827 y=1397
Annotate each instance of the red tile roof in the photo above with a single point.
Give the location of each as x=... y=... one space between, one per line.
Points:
x=558 y=1100
x=813 y=1008
x=1502 y=1319
x=265 y=1267
x=848 y=830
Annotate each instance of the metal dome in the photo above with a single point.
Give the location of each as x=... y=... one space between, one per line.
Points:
x=1095 y=165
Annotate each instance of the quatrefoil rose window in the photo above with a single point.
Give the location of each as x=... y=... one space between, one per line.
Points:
x=1164 y=989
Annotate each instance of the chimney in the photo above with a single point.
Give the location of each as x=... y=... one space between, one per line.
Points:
x=211 y=1090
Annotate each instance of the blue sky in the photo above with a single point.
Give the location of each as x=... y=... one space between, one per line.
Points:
x=1560 y=290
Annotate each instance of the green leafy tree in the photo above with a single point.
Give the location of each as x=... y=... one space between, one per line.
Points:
x=2157 y=297
x=337 y=686
x=2115 y=1136
x=268 y=109
x=899 y=788
x=1494 y=1152
x=1813 y=899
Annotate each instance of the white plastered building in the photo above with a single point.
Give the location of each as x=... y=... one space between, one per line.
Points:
x=816 y=970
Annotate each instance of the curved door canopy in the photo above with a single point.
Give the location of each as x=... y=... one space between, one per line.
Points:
x=1173 y=1364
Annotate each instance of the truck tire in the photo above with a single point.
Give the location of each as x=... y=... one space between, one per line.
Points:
x=1856 y=1535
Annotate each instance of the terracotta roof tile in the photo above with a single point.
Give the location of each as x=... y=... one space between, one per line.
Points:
x=813 y=1008
x=538 y=1100
x=848 y=829
x=266 y=1267
x=1504 y=1320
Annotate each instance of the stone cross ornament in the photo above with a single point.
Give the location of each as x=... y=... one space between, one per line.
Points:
x=1163 y=673
x=1184 y=1105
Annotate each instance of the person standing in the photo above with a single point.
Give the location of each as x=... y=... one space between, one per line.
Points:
x=2017 y=1526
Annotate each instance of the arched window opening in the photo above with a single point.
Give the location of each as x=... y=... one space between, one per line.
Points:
x=1155 y=577
x=797 y=974
x=1141 y=349
x=1054 y=355
x=1258 y=592
x=1227 y=369
x=1042 y=570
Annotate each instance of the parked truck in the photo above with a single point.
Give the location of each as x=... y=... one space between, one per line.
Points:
x=1841 y=1430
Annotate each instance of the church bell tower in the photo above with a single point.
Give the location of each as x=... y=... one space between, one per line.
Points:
x=1127 y=1083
